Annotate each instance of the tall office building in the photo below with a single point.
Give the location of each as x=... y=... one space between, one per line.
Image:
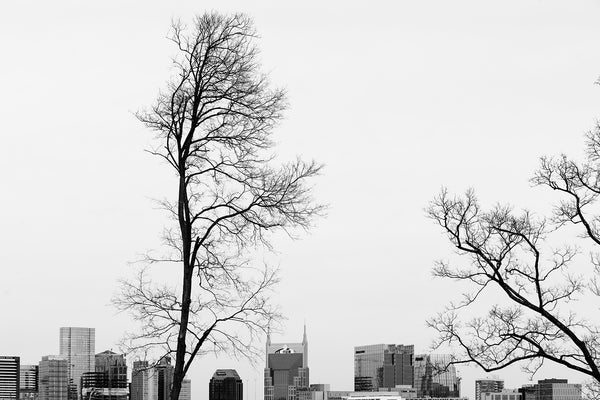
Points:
x=78 y=346
x=139 y=381
x=225 y=384
x=28 y=382
x=108 y=381
x=160 y=380
x=154 y=382
x=53 y=375
x=286 y=370
x=381 y=366
x=434 y=376
x=487 y=386
x=186 y=390
x=9 y=377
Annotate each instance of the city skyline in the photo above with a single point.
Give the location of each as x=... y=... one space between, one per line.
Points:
x=396 y=99
x=384 y=364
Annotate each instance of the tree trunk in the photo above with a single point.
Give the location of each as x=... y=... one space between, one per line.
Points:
x=188 y=263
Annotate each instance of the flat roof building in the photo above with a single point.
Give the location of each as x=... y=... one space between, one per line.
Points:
x=10 y=367
x=379 y=366
x=53 y=378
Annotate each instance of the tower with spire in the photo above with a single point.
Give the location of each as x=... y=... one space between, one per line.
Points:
x=286 y=370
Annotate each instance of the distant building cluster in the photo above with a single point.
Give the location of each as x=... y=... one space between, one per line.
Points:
x=390 y=372
x=381 y=372
x=78 y=373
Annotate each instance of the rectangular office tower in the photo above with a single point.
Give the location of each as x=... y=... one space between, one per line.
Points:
x=139 y=381
x=78 y=346
x=286 y=370
x=28 y=382
x=186 y=390
x=53 y=378
x=435 y=376
x=9 y=377
x=109 y=381
x=160 y=380
x=225 y=384
x=379 y=366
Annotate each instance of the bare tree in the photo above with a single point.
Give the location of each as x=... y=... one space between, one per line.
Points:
x=213 y=124
x=526 y=282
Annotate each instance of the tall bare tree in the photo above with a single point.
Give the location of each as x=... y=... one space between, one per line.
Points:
x=527 y=283
x=213 y=125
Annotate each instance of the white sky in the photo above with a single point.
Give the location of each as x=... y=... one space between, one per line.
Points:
x=397 y=98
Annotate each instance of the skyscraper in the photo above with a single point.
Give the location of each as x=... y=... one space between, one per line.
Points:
x=160 y=379
x=9 y=377
x=286 y=370
x=225 y=384
x=28 y=382
x=53 y=378
x=139 y=381
x=434 y=376
x=109 y=381
x=78 y=346
x=186 y=390
x=487 y=386
x=382 y=366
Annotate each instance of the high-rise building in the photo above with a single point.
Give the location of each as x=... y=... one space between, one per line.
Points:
x=139 y=381
x=487 y=386
x=380 y=366
x=186 y=390
x=28 y=382
x=9 y=377
x=109 y=381
x=53 y=375
x=112 y=364
x=78 y=346
x=286 y=370
x=154 y=382
x=160 y=380
x=434 y=376
x=225 y=384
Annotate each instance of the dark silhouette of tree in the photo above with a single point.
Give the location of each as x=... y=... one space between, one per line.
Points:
x=213 y=126
x=525 y=281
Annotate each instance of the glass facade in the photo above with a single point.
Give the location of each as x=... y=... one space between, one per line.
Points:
x=53 y=378
x=382 y=366
x=226 y=384
x=78 y=346
x=139 y=381
x=109 y=381
x=160 y=379
x=9 y=377
x=434 y=376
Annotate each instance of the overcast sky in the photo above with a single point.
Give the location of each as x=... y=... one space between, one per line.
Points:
x=396 y=98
